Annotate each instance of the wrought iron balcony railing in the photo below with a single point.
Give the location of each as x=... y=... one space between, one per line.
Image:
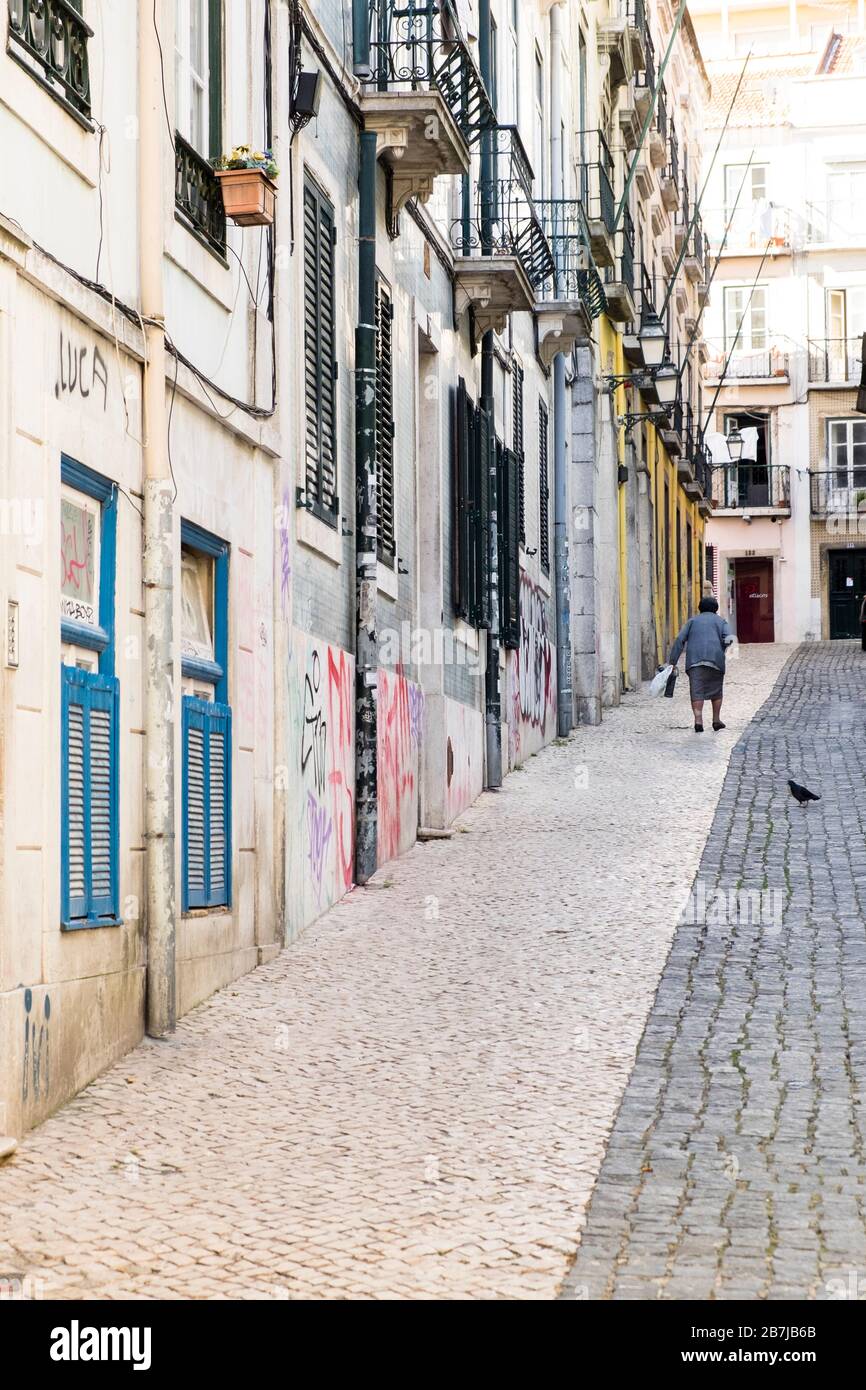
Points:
x=50 y=38
x=647 y=78
x=838 y=492
x=835 y=359
x=672 y=169
x=703 y=471
x=417 y=46
x=635 y=13
x=575 y=276
x=597 y=178
x=198 y=196
x=662 y=113
x=501 y=217
x=743 y=487
x=755 y=364
x=622 y=271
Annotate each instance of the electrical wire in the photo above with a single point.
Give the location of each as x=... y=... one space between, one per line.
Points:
x=162 y=77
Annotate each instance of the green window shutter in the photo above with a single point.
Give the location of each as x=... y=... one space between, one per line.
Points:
x=215 y=78
x=484 y=446
x=320 y=362
x=384 y=424
x=462 y=502
x=543 y=489
x=509 y=583
x=518 y=445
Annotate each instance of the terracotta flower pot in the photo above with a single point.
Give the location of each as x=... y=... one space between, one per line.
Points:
x=249 y=196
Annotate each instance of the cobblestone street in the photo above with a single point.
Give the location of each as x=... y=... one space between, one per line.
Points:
x=414 y=1098
x=736 y=1168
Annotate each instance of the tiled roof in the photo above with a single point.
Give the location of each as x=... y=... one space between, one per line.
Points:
x=765 y=94
x=845 y=53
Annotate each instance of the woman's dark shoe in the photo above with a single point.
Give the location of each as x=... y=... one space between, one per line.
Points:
x=699 y=728
x=718 y=725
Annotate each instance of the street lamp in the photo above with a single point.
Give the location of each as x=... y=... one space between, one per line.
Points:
x=652 y=338
x=734 y=442
x=667 y=381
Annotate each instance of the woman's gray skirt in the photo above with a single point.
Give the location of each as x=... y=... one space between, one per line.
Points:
x=705 y=683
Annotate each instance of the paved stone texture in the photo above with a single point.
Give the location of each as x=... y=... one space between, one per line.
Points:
x=736 y=1168
x=413 y=1099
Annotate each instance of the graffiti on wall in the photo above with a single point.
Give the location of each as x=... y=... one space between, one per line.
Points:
x=532 y=705
x=36 y=1080
x=400 y=730
x=321 y=832
x=82 y=371
x=464 y=757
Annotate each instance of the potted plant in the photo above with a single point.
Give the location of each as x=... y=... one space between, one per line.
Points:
x=247 y=180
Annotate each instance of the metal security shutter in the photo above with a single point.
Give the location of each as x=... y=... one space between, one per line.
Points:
x=320 y=364
x=89 y=867
x=384 y=424
x=517 y=440
x=543 y=490
x=462 y=503
x=509 y=550
x=206 y=803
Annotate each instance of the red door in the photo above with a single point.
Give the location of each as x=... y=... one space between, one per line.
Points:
x=753 y=594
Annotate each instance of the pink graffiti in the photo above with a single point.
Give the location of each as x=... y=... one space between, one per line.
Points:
x=319 y=830
x=397 y=762
x=285 y=556
x=341 y=776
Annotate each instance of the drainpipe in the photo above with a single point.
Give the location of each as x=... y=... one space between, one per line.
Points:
x=158 y=557
x=366 y=503
x=492 y=699
x=564 y=694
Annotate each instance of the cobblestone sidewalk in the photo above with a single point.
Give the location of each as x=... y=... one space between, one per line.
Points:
x=736 y=1168
x=413 y=1100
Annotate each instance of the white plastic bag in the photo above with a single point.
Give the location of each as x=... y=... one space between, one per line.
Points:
x=660 y=680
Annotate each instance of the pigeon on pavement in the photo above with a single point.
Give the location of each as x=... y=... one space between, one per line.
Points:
x=802 y=794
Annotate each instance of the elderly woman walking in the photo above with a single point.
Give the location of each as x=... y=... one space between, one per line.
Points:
x=705 y=638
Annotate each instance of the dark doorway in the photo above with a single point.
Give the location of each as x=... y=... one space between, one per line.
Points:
x=753 y=595
x=847 y=587
x=752 y=475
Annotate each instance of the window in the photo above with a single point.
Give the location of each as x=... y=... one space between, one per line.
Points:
x=320 y=361
x=513 y=114
x=206 y=720
x=52 y=44
x=384 y=425
x=543 y=489
x=750 y=187
x=846 y=323
x=746 y=317
x=846 y=451
x=846 y=202
x=517 y=444
x=90 y=701
x=508 y=477
x=197 y=70
x=539 y=123
x=473 y=442
x=494 y=65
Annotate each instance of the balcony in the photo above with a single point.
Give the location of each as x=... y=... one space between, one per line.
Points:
x=838 y=493
x=502 y=255
x=841 y=222
x=422 y=78
x=695 y=260
x=614 y=35
x=837 y=361
x=670 y=179
x=703 y=469
x=681 y=230
x=636 y=31
x=645 y=78
x=574 y=296
x=198 y=197
x=750 y=366
x=658 y=135
x=644 y=302
x=597 y=181
x=619 y=278
x=752 y=489
x=49 y=38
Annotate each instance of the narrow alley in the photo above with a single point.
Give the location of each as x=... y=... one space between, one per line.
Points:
x=414 y=1099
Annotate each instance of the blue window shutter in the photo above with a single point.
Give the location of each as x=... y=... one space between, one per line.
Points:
x=206 y=803
x=89 y=770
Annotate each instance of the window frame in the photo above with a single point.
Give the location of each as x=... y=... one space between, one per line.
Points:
x=315 y=504
x=98 y=690
x=849 y=421
x=544 y=487
x=209 y=716
x=386 y=542
x=743 y=339
x=212 y=83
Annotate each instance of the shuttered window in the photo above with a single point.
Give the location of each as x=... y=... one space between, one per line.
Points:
x=517 y=440
x=89 y=861
x=473 y=446
x=509 y=547
x=543 y=489
x=384 y=424
x=320 y=360
x=207 y=803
